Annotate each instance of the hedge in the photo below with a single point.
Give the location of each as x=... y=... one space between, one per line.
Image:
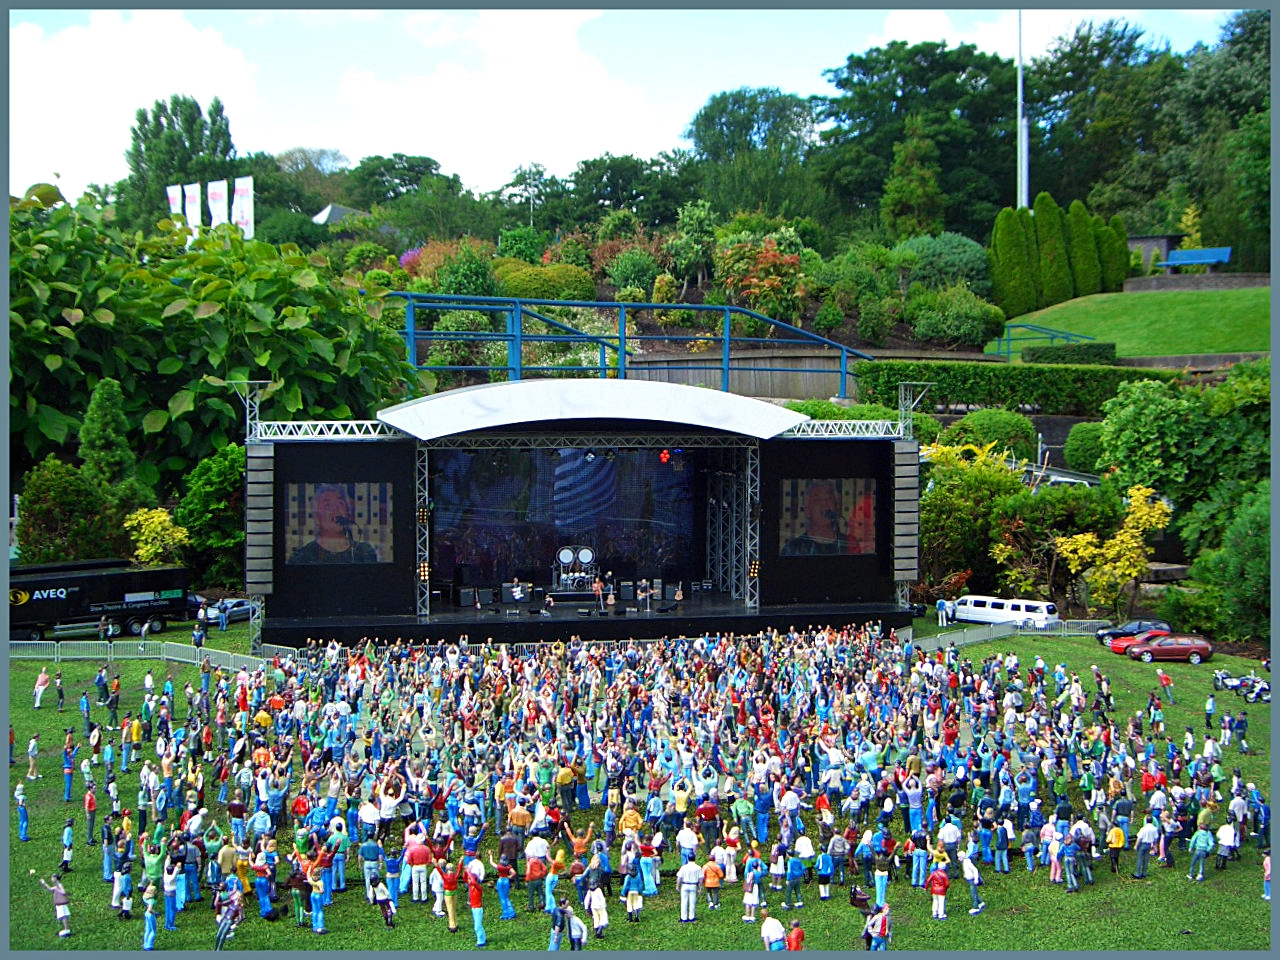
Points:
x=557 y=281
x=1087 y=353
x=1074 y=390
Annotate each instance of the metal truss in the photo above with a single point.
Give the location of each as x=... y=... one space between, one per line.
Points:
x=910 y=393
x=599 y=441
x=422 y=526
x=720 y=520
x=751 y=528
x=902 y=593
x=268 y=431
x=847 y=429
x=257 y=610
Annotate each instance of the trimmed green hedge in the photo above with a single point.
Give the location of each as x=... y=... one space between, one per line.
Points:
x=1078 y=391
x=1100 y=353
x=557 y=281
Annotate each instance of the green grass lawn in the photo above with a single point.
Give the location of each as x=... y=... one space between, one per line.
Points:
x=1163 y=323
x=1164 y=912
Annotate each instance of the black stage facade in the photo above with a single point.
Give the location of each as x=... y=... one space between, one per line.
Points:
x=536 y=510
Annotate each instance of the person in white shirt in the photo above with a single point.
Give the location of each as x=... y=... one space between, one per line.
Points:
x=689 y=879
x=772 y=932
x=537 y=848
x=949 y=834
x=974 y=879
x=1148 y=835
x=687 y=841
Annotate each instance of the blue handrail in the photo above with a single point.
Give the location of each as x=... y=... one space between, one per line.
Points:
x=1004 y=346
x=517 y=309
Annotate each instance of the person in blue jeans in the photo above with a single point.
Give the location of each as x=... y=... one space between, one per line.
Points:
x=919 y=859
x=317 y=901
x=24 y=818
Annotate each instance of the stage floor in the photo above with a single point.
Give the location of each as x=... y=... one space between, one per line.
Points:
x=524 y=623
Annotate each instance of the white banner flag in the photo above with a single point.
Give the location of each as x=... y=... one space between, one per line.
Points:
x=175 y=198
x=217 y=192
x=191 y=191
x=242 y=206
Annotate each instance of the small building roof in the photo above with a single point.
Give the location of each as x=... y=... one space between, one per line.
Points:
x=335 y=213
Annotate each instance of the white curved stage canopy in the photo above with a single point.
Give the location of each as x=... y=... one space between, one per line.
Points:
x=530 y=401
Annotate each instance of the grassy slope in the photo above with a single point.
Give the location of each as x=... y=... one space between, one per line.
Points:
x=1164 y=323
x=1164 y=912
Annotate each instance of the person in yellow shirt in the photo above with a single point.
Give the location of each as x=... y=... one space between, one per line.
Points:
x=630 y=822
x=1115 y=843
x=712 y=876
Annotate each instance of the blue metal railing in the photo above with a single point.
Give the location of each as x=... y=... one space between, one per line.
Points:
x=1004 y=346
x=614 y=346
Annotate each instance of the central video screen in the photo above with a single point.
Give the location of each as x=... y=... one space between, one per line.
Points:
x=829 y=517
x=499 y=512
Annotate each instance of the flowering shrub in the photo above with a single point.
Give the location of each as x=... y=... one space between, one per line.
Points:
x=763 y=278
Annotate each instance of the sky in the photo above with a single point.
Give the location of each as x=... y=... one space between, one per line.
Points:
x=481 y=92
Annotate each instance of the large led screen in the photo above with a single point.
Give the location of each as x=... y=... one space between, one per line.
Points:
x=336 y=523
x=499 y=512
x=827 y=517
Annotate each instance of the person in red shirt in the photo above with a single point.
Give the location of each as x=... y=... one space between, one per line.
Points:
x=795 y=936
x=449 y=874
x=937 y=884
x=475 y=898
x=90 y=815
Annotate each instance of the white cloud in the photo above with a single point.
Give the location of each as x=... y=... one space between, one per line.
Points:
x=74 y=94
x=501 y=89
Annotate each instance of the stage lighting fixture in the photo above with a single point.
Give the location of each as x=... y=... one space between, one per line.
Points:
x=665 y=456
x=589 y=456
x=609 y=455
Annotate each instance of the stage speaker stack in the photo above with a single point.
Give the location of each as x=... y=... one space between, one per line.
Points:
x=484 y=595
x=669 y=591
x=627 y=590
x=584 y=611
x=619 y=611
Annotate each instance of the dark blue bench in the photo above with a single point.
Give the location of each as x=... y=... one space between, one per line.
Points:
x=1208 y=257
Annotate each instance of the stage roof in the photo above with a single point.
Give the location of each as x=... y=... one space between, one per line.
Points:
x=532 y=401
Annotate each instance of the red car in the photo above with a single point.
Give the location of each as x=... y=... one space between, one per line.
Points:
x=1181 y=646
x=1121 y=644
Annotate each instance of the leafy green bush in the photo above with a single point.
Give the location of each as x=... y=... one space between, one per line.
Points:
x=559 y=281
x=1008 y=430
x=366 y=256
x=829 y=317
x=574 y=249
x=618 y=225
x=379 y=278
x=503 y=267
x=949 y=259
x=212 y=511
x=876 y=317
x=630 y=295
x=1067 y=390
x=523 y=243
x=572 y=282
x=1097 y=352
x=634 y=267
x=466 y=273
x=926 y=428
x=1084 y=446
x=955 y=315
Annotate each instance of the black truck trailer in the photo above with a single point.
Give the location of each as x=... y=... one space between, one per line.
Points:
x=48 y=598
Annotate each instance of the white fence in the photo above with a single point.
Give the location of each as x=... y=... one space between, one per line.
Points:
x=58 y=651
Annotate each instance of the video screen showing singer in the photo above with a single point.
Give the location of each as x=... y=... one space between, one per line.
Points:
x=837 y=518
x=336 y=531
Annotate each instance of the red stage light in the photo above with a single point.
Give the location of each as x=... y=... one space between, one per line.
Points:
x=665 y=456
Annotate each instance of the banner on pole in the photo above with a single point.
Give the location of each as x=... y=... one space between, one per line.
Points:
x=175 y=198
x=217 y=193
x=242 y=206
x=191 y=192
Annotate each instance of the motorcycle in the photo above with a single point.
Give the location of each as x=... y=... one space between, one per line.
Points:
x=1259 y=691
x=1223 y=680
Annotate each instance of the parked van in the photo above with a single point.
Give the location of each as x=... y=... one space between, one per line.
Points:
x=1025 y=613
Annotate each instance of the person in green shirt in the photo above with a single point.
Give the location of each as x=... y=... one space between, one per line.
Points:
x=1200 y=846
x=213 y=840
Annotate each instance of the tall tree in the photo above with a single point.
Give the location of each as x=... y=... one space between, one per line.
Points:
x=751 y=145
x=383 y=179
x=1086 y=269
x=1014 y=289
x=912 y=203
x=1055 y=271
x=966 y=101
x=109 y=461
x=172 y=143
x=1096 y=98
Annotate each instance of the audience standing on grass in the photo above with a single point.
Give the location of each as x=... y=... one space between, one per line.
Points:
x=841 y=754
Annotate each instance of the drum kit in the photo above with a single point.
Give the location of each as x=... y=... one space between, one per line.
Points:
x=575 y=568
